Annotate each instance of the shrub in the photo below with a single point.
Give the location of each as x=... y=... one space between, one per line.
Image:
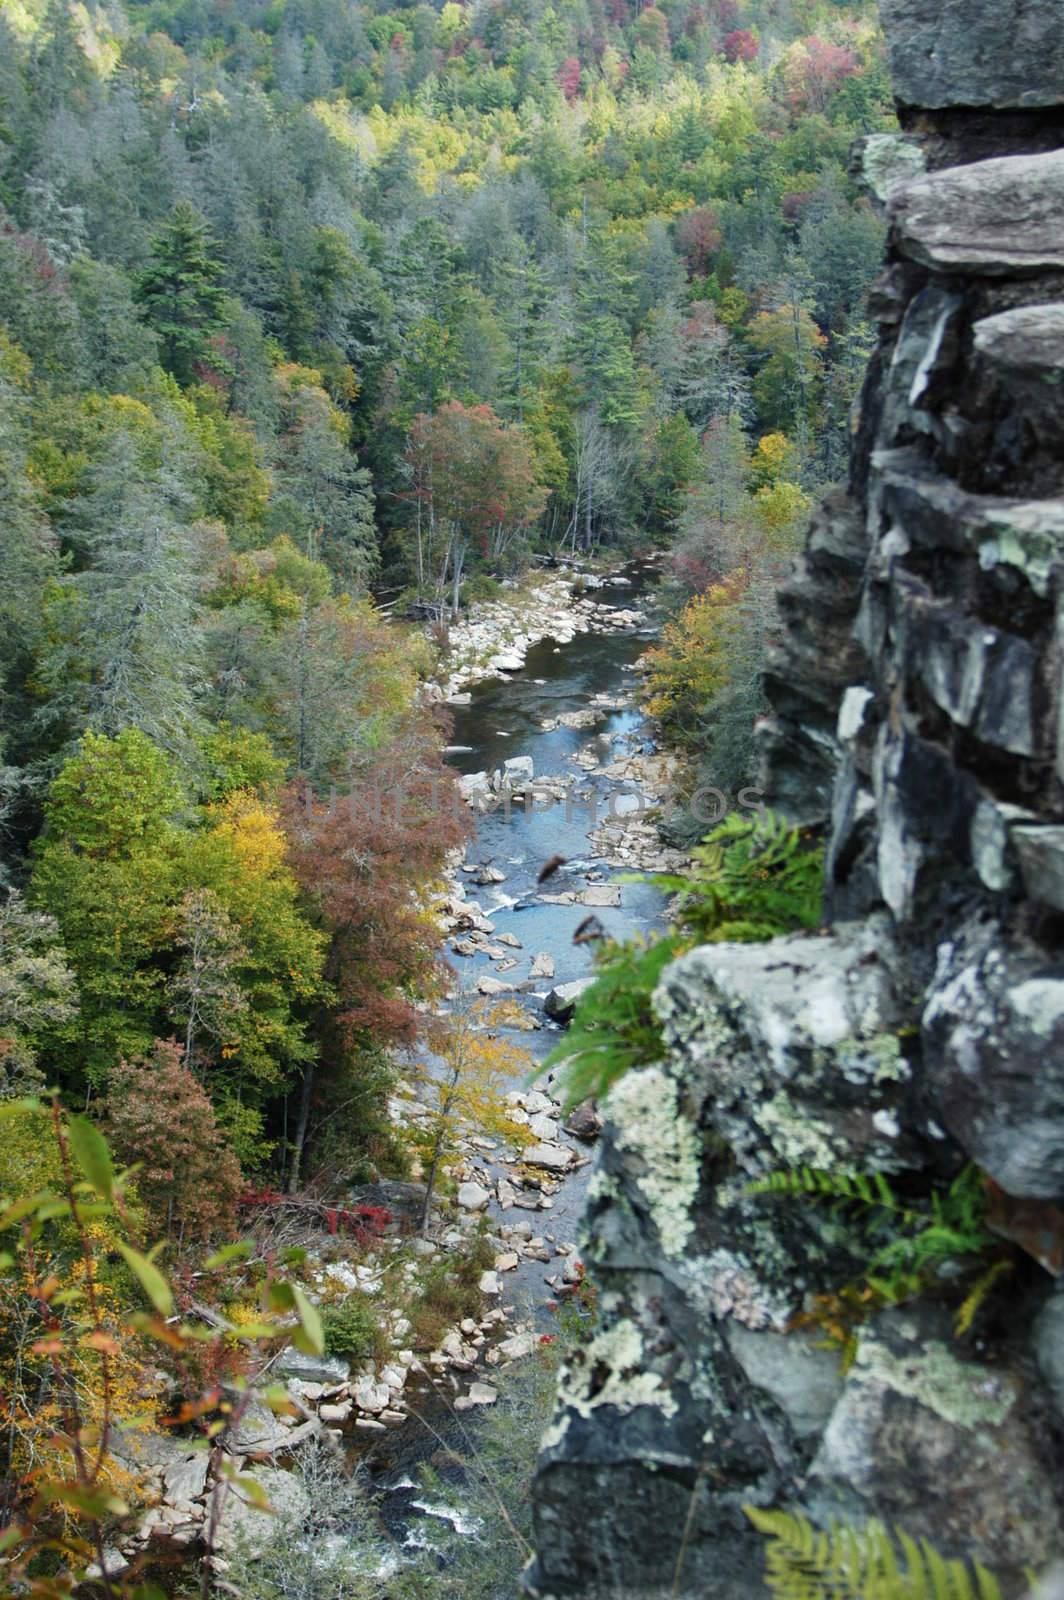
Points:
x=448 y=1290
x=352 y=1330
x=482 y=587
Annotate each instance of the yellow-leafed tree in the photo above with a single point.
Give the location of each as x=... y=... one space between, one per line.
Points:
x=465 y=1081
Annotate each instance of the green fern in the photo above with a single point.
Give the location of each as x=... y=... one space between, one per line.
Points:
x=752 y=878
x=868 y=1189
x=947 y=1229
x=614 y=1027
x=844 y=1563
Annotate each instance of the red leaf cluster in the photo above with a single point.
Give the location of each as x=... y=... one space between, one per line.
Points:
x=740 y=45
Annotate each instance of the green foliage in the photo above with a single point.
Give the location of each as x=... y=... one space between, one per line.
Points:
x=79 y=1335
x=448 y=1289
x=909 y=1242
x=871 y=1563
x=351 y=1329
x=614 y=1027
x=753 y=877
x=180 y=292
x=38 y=993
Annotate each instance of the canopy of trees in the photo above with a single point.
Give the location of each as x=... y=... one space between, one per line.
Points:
x=300 y=298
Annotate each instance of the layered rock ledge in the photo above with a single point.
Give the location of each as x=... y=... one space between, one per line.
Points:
x=918 y=718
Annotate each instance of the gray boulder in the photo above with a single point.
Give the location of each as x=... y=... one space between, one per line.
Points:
x=993 y=1030
x=924 y=1437
x=292 y=1363
x=956 y=53
x=247 y=1528
x=561 y=1001
x=998 y=218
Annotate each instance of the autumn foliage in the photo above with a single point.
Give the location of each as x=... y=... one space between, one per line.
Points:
x=159 y=1116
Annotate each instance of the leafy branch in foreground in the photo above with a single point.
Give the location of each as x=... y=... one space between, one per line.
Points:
x=752 y=878
x=74 y=1348
x=614 y=1027
x=871 y=1563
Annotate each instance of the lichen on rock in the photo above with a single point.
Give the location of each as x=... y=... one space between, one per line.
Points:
x=922 y=1033
x=662 y=1150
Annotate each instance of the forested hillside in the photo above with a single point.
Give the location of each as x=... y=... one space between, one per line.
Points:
x=318 y=323
x=300 y=296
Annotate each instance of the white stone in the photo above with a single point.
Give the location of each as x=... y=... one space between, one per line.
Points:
x=493 y=986
x=554 y=1157
x=517 y=1346
x=473 y=1196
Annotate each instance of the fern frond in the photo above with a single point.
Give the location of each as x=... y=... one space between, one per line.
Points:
x=752 y=878
x=870 y=1190
x=870 y=1563
x=977 y=1295
x=613 y=1028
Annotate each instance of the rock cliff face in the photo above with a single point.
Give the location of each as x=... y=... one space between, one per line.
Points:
x=919 y=717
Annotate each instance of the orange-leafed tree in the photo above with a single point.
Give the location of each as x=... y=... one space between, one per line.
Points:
x=473 y=486
x=160 y=1116
x=365 y=861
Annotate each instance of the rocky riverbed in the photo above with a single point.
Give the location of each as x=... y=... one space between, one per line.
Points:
x=555 y=761
x=493 y=637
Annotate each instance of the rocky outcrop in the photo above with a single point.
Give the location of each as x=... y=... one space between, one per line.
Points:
x=918 y=718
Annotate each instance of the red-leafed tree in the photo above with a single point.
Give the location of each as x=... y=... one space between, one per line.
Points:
x=569 y=77
x=740 y=45
x=699 y=238
x=365 y=861
x=473 y=484
x=160 y=1115
x=813 y=70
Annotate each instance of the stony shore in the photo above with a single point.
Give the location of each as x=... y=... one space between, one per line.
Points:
x=517 y=1178
x=493 y=637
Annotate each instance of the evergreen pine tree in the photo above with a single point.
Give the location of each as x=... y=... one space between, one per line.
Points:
x=180 y=291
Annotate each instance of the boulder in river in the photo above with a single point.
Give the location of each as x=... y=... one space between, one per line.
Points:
x=473 y=1196
x=601 y=894
x=554 y=1157
x=474 y=783
x=561 y=1001
x=542 y=966
x=493 y=986
x=519 y=769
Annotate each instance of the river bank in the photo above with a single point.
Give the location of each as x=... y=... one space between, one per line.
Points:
x=555 y=761
x=493 y=637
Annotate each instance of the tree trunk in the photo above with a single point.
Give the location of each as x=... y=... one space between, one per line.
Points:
x=302 y=1122
x=430 y=1181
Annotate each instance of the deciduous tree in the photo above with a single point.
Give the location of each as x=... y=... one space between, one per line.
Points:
x=160 y=1116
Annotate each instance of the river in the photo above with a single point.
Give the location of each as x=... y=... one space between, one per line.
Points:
x=503 y=719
